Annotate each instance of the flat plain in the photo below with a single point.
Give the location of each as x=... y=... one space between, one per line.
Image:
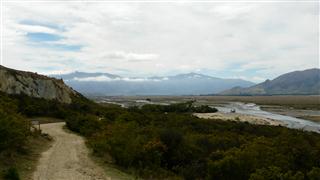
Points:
x=300 y=106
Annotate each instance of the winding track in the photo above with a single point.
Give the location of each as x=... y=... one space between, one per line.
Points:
x=67 y=159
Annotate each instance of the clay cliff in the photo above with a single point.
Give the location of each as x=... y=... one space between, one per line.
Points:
x=35 y=85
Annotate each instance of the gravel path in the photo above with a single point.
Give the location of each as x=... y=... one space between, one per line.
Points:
x=67 y=159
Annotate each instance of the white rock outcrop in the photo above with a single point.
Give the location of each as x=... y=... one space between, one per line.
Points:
x=34 y=85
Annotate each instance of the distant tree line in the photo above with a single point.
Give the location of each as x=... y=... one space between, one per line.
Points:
x=186 y=107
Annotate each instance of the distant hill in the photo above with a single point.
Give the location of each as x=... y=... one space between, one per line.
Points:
x=297 y=82
x=181 y=84
x=34 y=85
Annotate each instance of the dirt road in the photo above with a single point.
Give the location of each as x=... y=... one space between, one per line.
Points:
x=67 y=159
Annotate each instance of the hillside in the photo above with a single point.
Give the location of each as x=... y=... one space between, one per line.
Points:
x=23 y=97
x=181 y=84
x=34 y=85
x=297 y=82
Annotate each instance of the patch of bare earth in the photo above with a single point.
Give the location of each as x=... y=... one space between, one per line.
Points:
x=240 y=117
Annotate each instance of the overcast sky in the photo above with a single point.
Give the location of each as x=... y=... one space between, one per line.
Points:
x=253 y=41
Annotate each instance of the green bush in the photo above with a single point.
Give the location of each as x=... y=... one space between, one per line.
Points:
x=14 y=131
x=314 y=174
x=84 y=124
x=275 y=173
x=11 y=174
x=152 y=142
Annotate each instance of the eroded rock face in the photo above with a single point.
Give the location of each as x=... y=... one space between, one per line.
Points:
x=34 y=85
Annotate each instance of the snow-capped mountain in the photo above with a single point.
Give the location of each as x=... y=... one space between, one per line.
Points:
x=181 y=84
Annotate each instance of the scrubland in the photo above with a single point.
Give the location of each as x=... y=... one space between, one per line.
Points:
x=168 y=142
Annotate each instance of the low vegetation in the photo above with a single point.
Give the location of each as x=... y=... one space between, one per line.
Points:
x=311 y=118
x=290 y=101
x=17 y=141
x=157 y=142
x=310 y=102
x=186 y=107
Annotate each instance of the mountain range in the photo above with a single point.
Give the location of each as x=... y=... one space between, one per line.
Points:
x=56 y=87
x=106 y=84
x=297 y=82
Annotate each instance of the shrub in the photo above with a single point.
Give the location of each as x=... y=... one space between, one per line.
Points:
x=13 y=131
x=186 y=107
x=193 y=148
x=314 y=174
x=11 y=174
x=84 y=124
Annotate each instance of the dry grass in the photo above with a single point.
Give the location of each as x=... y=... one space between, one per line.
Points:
x=299 y=102
x=240 y=118
x=25 y=162
x=311 y=118
x=113 y=171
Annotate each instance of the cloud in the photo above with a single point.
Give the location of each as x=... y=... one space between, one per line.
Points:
x=35 y=29
x=97 y=78
x=232 y=11
x=262 y=39
x=136 y=57
x=108 y=79
x=255 y=79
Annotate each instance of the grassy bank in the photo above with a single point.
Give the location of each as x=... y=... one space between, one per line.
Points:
x=291 y=101
x=19 y=146
x=311 y=118
x=113 y=171
x=23 y=163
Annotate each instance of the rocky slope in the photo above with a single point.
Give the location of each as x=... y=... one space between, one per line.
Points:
x=297 y=82
x=34 y=85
